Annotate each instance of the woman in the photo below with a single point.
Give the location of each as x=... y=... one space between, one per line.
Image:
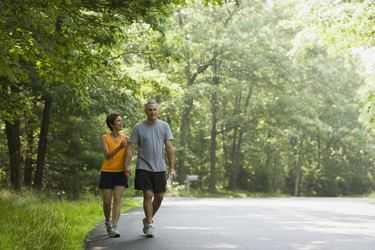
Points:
x=113 y=180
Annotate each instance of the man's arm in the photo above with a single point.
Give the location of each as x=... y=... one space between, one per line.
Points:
x=170 y=156
x=128 y=158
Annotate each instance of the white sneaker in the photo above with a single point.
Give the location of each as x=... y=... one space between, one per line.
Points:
x=150 y=231
x=115 y=233
x=144 y=221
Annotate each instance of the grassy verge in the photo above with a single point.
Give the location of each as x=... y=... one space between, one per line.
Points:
x=180 y=191
x=221 y=193
x=371 y=197
x=30 y=221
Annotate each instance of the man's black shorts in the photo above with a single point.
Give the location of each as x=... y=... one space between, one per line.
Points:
x=146 y=180
x=108 y=180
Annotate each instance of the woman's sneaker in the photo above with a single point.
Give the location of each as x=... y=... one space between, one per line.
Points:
x=150 y=231
x=109 y=227
x=114 y=232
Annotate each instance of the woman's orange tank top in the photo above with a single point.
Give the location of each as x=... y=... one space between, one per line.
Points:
x=117 y=162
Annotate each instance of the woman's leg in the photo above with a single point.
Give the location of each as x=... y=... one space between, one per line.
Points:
x=107 y=199
x=118 y=190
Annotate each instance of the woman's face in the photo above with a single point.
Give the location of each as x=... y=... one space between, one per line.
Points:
x=117 y=124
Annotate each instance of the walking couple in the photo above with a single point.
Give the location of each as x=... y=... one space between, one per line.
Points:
x=151 y=137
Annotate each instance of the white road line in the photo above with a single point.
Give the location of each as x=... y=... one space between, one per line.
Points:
x=343 y=227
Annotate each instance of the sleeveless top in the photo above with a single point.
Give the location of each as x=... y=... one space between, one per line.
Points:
x=116 y=162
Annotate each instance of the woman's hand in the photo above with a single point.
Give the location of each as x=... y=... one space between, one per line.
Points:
x=127 y=172
x=123 y=144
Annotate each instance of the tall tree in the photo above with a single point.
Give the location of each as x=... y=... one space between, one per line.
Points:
x=14 y=147
x=85 y=33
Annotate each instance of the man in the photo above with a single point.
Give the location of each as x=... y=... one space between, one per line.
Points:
x=151 y=136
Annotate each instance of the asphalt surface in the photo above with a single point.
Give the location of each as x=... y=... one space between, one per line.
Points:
x=248 y=223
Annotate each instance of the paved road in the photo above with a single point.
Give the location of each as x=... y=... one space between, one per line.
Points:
x=251 y=223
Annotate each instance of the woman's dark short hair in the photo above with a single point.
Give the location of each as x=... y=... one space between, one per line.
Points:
x=111 y=120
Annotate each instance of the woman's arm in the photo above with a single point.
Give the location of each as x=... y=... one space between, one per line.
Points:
x=105 y=148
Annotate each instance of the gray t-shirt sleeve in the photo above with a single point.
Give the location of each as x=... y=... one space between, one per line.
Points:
x=167 y=132
x=134 y=136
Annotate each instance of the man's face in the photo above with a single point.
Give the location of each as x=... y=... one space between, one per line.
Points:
x=152 y=112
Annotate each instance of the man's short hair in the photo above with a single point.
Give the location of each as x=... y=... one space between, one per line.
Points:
x=151 y=102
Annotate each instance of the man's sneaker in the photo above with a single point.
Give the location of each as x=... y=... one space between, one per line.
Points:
x=109 y=227
x=150 y=231
x=144 y=221
x=114 y=233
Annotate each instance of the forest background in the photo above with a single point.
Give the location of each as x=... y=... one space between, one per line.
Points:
x=268 y=96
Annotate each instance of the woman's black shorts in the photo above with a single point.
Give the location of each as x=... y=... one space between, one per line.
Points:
x=146 y=180
x=108 y=180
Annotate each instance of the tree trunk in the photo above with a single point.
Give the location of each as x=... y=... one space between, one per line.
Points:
x=319 y=156
x=42 y=146
x=185 y=118
x=298 y=167
x=233 y=168
x=234 y=152
x=14 y=148
x=212 y=185
x=226 y=155
x=237 y=160
x=237 y=142
x=27 y=180
x=185 y=121
x=267 y=165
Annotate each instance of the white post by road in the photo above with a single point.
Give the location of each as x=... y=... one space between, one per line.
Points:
x=189 y=179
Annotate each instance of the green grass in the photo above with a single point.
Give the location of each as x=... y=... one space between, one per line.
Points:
x=221 y=193
x=30 y=221
x=371 y=197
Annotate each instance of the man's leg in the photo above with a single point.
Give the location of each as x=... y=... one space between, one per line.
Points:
x=158 y=198
x=151 y=204
x=148 y=205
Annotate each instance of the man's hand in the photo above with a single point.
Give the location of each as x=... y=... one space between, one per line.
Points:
x=172 y=174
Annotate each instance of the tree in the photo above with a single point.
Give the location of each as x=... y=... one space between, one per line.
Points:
x=44 y=41
x=347 y=25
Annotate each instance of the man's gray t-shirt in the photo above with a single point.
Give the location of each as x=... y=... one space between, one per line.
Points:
x=150 y=139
